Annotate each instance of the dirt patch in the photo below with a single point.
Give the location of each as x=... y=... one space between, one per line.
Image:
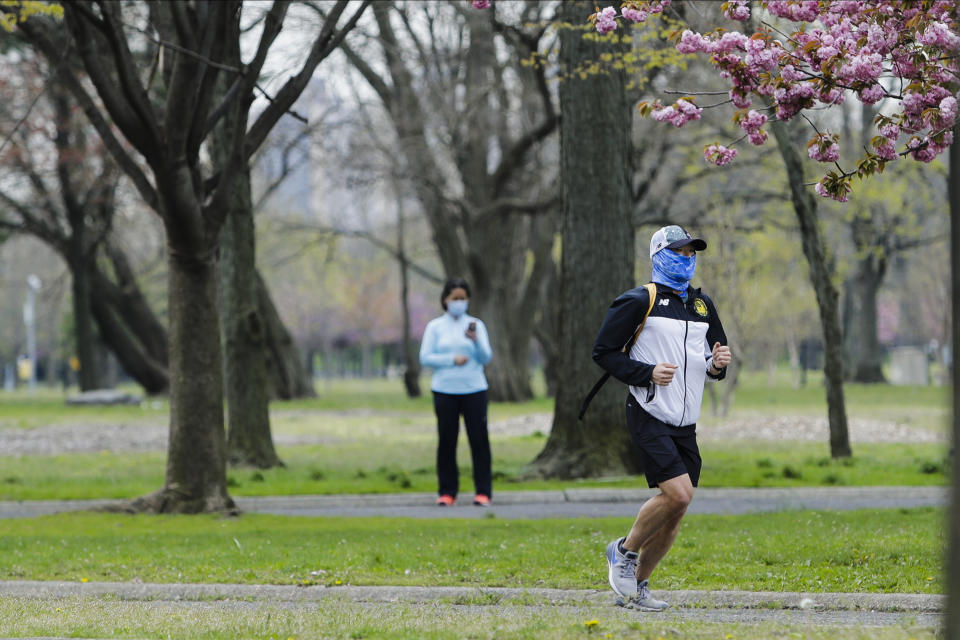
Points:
x=142 y=437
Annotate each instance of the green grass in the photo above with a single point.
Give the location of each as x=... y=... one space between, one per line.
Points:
x=862 y=551
x=350 y=415
x=396 y=466
x=336 y=619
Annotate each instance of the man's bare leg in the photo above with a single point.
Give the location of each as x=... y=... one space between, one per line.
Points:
x=656 y=547
x=658 y=522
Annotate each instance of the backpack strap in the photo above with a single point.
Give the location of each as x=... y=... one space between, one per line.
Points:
x=652 y=293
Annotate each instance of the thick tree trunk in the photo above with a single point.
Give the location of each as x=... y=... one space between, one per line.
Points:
x=150 y=374
x=861 y=341
x=805 y=208
x=129 y=301
x=249 y=442
x=597 y=260
x=86 y=339
x=287 y=370
x=196 y=455
x=863 y=347
x=411 y=361
x=509 y=372
x=952 y=572
x=130 y=329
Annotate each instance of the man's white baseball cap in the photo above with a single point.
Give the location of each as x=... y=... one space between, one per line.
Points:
x=673 y=237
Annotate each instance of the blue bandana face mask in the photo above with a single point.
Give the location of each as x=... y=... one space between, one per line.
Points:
x=673 y=270
x=457 y=308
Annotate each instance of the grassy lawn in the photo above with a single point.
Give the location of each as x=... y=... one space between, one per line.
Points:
x=407 y=465
x=861 y=551
x=332 y=619
x=370 y=438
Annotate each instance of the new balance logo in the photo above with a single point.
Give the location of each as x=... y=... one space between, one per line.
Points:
x=664 y=302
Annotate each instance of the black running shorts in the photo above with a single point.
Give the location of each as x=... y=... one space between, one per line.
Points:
x=665 y=452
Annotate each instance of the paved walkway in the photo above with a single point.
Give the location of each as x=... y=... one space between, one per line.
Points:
x=569 y=503
x=833 y=609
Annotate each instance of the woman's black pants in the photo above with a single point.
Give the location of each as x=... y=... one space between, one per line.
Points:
x=473 y=407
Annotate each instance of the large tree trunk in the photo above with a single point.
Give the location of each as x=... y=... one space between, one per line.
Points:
x=411 y=370
x=287 y=370
x=129 y=301
x=597 y=260
x=860 y=297
x=249 y=442
x=150 y=374
x=196 y=453
x=805 y=208
x=130 y=329
x=862 y=342
x=952 y=577
x=86 y=339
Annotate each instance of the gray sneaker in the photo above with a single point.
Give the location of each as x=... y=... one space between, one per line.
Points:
x=622 y=570
x=644 y=600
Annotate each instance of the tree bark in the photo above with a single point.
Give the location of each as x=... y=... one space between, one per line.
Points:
x=287 y=371
x=152 y=375
x=86 y=339
x=249 y=442
x=860 y=305
x=863 y=343
x=952 y=577
x=411 y=370
x=128 y=300
x=195 y=479
x=805 y=208
x=597 y=260
x=242 y=329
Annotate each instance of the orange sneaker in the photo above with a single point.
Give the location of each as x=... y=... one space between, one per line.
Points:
x=445 y=501
x=481 y=500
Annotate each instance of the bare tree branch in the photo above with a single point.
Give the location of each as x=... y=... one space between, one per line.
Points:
x=328 y=40
x=363 y=235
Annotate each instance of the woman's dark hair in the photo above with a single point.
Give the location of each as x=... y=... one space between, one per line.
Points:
x=450 y=285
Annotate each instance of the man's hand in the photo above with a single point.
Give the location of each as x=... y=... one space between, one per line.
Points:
x=721 y=357
x=663 y=373
x=460 y=360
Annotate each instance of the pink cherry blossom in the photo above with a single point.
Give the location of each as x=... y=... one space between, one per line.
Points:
x=607 y=20
x=680 y=113
x=737 y=10
x=822 y=190
x=751 y=124
x=633 y=15
x=938 y=34
x=719 y=154
x=872 y=94
x=890 y=131
x=481 y=4
x=824 y=149
x=886 y=150
x=948 y=111
x=905 y=53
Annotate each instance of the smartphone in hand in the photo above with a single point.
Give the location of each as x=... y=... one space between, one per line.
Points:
x=472 y=326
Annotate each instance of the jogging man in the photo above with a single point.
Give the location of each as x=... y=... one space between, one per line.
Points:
x=681 y=344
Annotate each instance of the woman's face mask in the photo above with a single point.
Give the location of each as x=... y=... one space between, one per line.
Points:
x=457 y=308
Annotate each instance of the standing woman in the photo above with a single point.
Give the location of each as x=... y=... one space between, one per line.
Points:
x=457 y=347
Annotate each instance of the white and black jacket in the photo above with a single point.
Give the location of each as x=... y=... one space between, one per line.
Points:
x=675 y=332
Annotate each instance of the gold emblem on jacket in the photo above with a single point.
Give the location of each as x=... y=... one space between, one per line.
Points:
x=700 y=307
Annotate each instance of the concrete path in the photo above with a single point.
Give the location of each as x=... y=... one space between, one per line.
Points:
x=829 y=609
x=569 y=503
